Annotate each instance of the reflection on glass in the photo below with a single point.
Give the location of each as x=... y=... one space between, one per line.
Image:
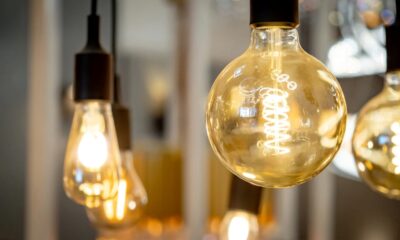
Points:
x=92 y=158
x=376 y=140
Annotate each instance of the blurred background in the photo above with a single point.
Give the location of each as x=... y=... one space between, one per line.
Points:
x=170 y=51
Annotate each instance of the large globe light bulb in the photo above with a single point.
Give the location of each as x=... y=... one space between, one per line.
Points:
x=275 y=116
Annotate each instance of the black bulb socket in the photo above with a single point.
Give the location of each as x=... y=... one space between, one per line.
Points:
x=279 y=13
x=122 y=126
x=93 y=68
x=244 y=196
x=393 y=42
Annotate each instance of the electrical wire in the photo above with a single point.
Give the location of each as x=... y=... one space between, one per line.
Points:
x=94 y=7
x=113 y=44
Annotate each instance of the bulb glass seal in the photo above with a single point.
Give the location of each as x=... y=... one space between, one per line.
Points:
x=122 y=126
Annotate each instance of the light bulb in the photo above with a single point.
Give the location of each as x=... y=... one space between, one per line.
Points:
x=91 y=167
x=275 y=116
x=239 y=225
x=125 y=209
x=376 y=139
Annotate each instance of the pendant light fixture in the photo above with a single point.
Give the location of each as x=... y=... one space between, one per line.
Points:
x=241 y=220
x=275 y=116
x=92 y=159
x=126 y=208
x=376 y=139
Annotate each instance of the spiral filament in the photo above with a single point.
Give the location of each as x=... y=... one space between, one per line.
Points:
x=284 y=78
x=276 y=126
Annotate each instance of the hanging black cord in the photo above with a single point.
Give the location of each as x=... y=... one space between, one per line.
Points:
x=114 y=33
x=94 y=7
x=113 y=44
x=113 y=29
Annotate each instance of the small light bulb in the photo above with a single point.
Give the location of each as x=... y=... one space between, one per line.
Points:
x=239 y=225
x=126 y=208
x=91 y=166
x=376 y=139
x=275 y=115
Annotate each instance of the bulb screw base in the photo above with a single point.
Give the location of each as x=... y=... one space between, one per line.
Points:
x=244 y=196
x=122 y=126
x=93 y=68
x=392 y=42
x=282 y=13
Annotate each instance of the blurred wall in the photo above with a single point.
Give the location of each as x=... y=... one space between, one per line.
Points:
x=13 y=101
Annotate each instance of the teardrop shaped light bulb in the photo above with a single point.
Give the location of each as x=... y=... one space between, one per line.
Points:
x=126 y=208
x=275 y=116
x=91 y=166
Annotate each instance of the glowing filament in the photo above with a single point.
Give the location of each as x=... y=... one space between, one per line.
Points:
x=115 y=209
x=275 y=113
x=93 y=146
x=92 y=150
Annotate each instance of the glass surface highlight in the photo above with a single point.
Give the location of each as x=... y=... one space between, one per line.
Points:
x=275 y=115
x=239 y=225
x=376 y=140
x=91 y=166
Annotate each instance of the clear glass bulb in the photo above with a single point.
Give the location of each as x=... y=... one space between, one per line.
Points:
x=275 y=115
x=239 y=225
x=125 y=209
x=376 y=139
x=91 y=166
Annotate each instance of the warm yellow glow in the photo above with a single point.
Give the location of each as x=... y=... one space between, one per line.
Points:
x=249 y=175
x=109 y=209
x=275 y=115
x=238 y=228
x=125 y=209
x=361 y=166
x=93 y=146
x=91 y=165
x=376 y=139
x=121 y=200
x=118 y=211
x=92 y=150
x=239 y=225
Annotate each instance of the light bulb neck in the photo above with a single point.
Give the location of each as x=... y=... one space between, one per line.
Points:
x=127 y=159
x=392 y=80
x=267 y=38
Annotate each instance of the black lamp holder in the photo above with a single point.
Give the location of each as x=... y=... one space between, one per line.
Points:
x=244 y=196
x=393 y=41
x=93 y=65
x=96 y=76
x=283 y=13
